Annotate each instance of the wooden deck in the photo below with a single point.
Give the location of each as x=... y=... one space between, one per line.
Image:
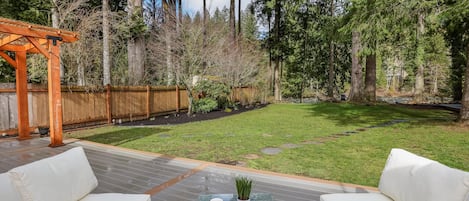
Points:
x=169 y=179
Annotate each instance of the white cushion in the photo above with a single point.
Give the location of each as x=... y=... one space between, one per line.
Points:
x=65 y=177
x=7 y=190
x=116 y=197
x=408 y=177
x=355 y=197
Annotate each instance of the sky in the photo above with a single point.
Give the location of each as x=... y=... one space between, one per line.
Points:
x=192 y=6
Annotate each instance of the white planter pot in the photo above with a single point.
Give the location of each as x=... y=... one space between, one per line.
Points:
x=244 y=200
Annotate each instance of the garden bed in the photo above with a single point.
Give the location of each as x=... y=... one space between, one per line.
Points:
x=180 y=118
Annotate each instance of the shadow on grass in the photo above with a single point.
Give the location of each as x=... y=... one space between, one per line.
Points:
x=354 y=114
x=123 y=136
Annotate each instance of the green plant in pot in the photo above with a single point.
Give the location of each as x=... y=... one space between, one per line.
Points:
x=243 y=186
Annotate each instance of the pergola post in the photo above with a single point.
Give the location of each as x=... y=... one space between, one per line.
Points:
x=55 y=97
x=22 y=95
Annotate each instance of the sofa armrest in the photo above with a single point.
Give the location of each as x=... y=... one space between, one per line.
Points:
x=355 y=197
x=117 y=197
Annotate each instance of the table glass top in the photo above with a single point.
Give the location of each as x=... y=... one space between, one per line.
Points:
x=232 y=197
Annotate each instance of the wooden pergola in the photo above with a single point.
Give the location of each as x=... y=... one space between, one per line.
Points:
x=17 y=39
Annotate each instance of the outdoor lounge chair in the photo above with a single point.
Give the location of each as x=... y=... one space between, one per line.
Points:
x=65 y=177
x=408 y=177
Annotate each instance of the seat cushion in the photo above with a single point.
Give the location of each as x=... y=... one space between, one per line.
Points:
x=408 y=177
x=65 y=177
x=7 y=190
x=116 y=197
x=355 y=197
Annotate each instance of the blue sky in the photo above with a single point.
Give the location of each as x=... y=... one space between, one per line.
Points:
x=192 y=6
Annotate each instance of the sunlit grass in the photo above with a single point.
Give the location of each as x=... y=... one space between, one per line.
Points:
x=353 y=159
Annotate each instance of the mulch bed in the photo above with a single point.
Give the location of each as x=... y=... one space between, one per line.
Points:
x=181 y=118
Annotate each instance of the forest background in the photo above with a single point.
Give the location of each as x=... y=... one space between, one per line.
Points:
x=289 y=48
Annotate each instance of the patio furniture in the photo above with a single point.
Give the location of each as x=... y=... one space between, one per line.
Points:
x=64 y=177
x=232 y=197
x=408 y=177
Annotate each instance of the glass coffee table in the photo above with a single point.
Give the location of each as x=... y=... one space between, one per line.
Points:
x=232 y=197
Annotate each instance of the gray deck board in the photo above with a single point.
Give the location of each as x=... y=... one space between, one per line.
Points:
x=124 y=171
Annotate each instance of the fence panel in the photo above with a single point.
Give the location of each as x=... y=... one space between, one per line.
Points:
x=82 y=106
x=128 y=102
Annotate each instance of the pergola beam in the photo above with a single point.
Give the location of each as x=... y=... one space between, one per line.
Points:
x=10 y=38
x=38 y=46
x=36 y=31
x=8 y=59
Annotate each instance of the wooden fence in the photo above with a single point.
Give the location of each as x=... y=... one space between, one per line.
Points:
x=81 y=105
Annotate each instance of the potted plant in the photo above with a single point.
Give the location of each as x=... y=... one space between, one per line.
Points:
x=243 y=186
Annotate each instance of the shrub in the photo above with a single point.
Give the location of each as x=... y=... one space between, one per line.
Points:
x=216 y=91
x=205 y=105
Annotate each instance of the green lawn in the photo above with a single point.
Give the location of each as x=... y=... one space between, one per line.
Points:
x=355 y=159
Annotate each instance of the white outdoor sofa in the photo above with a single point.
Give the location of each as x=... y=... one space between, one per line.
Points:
x=64 y=177
x=408 y=177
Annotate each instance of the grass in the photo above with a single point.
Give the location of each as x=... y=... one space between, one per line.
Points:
x=355 y=159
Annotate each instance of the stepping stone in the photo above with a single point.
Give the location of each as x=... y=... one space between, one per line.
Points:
x=164 y=135
x=230 y=135
x=188 y=136
x=361 y=129
x=251 y=156
x=312 y=142
x=290 y=146
x=271 y=150
x=288 y=136
x=266 y=135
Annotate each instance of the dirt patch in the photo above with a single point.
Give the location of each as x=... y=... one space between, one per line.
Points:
x=181 y=118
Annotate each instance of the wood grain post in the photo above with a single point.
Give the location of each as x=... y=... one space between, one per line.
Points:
x=178 y=98
x=22 y=95
x=108 y=104
x=148 y=101
x=55 y=96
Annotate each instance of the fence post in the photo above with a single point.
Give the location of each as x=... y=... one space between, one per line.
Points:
x=108 y=103
x=148 y=101
x=178 y=102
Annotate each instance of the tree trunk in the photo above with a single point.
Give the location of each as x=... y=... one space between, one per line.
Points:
x=370 y=78
x=419 y=76
x=464 y=113
x=56 y=24
x=204 y=62
x=239 y=27
x=106 y=58
x=331 y=72
x=232 y=20
x=277 y=75
x=135 y=47
x=271 y=74
x=356 y=74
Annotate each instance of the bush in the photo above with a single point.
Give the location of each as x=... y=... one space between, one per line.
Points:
x=205 y=105
x=214 y=90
